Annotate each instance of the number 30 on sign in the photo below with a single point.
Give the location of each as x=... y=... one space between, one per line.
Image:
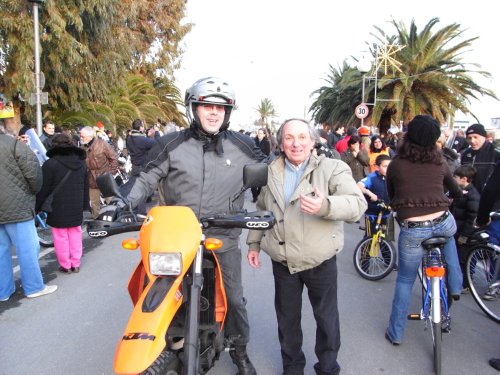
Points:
x=361 y=111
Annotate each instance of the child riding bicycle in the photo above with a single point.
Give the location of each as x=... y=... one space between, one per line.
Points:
x=374 y=188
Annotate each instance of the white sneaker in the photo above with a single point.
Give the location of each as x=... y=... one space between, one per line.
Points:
x=47 y=290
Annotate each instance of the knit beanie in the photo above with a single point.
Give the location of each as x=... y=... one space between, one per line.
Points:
x=476 y=129
x=423 y=130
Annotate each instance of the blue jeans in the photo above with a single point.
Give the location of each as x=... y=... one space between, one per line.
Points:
x=494 y=232
x=410 y=256
x=25 y=240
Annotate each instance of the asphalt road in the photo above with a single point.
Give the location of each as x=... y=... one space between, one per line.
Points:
x=76 y=330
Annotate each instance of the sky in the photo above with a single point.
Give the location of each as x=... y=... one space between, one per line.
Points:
x=282 y=49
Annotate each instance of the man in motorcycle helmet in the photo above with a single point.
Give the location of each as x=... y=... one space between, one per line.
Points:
x=201 y=167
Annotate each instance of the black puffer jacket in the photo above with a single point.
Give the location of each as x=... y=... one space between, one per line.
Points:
x=20 y=180
x=72 y=198
x=465 y=209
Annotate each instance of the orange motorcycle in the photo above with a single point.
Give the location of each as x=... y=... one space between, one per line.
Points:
x=177 y=324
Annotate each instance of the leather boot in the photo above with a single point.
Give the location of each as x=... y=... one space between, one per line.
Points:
x=240 y=359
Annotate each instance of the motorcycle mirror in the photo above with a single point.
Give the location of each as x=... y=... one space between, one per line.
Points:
x=107 y=185
x=254 y=175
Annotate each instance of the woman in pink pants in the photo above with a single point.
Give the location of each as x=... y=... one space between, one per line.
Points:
x=65 y=175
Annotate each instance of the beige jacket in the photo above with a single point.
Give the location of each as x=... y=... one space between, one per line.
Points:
x=304 y=241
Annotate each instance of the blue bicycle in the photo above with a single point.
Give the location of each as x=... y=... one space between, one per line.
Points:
x=435 y=309
x=44 y=231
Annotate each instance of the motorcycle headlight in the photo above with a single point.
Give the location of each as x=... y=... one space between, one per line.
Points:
x=165 y=264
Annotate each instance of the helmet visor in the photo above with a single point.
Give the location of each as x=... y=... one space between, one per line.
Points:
x=213 y=99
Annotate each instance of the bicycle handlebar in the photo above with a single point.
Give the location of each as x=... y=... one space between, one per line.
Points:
x=380 y=203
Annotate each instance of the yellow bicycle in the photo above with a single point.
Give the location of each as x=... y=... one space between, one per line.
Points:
x=374 y=257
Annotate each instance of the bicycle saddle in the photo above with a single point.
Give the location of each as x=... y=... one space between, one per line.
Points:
x=434 y=241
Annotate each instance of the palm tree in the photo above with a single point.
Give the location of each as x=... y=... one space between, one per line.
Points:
x=433 y=79
x=266 y=111
x=138 y=99
x=335 y=101
x=430 y=79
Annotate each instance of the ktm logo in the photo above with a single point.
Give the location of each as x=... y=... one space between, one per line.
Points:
x=138 y=336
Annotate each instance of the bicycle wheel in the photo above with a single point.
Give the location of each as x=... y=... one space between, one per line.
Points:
x=436 y=318
x=480 y=269
x=376 y=265
x=44 y=232
x=437 y=337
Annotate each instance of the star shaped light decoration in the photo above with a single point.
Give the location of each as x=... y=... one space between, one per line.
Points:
x=385 y=57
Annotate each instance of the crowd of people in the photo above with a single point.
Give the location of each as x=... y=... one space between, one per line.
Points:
x=438 y=183
x=54 y=173
x=434 y=181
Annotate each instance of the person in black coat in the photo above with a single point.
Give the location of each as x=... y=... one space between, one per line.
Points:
x=69 y=200
x=265 y=146
x=465 y=209
x=481 y=154
x=138 y=145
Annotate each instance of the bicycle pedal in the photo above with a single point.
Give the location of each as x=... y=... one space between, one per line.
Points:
x=414 y=317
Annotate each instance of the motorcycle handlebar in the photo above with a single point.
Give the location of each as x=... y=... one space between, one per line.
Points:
x=258 y=220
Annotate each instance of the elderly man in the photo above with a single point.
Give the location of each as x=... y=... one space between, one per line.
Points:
x=20 y=180
x=101 y=158
x=311 y=197
x=481 y=154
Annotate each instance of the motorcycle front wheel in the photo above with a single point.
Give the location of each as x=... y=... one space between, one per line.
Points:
x=167 y=363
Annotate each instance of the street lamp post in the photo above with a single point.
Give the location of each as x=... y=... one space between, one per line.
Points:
x=38 y=90
x=364 y=66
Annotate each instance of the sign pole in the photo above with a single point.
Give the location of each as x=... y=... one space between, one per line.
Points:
x=37 y=70
x=363 y=98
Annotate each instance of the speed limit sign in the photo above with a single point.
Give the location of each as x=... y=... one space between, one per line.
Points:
x=361 y=111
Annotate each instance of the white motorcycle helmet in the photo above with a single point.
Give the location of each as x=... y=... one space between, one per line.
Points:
x=209 y=90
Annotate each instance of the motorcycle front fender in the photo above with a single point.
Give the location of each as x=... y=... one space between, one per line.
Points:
x=221 y=301
x=144 y=337
x=136 y=282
